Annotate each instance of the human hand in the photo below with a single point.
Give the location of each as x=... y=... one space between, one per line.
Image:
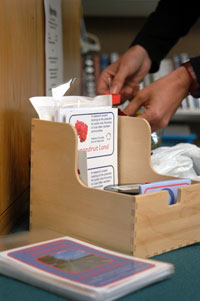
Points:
x=161 y=99
x=126 y=73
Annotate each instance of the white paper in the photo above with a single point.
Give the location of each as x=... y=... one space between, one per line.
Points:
x=53 y=44
x=59 y=92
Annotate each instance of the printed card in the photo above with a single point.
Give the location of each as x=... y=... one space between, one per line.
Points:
x=171 y=186
x=97 y=136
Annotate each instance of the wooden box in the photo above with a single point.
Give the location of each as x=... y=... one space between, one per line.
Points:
x=141 y=225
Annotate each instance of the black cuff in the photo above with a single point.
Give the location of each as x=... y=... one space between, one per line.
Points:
x=193 y=68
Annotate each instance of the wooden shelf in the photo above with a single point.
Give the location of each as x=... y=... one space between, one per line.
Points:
x=22 y=76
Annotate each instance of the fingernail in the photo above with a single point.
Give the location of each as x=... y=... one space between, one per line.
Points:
x=114 y=89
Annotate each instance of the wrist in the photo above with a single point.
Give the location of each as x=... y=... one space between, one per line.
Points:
x=141 y=50
x=194 y=87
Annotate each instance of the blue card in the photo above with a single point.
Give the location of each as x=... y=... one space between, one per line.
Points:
x=171 y=186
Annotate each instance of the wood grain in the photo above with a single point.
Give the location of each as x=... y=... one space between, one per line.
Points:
x=141 y=225
x=60 y=202
x=160 y=228
x=71 y=14
x=21 y=76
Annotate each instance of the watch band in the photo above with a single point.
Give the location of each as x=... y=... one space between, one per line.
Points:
x=194 y=87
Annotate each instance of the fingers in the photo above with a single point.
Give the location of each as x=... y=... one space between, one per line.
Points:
x=129 y=91
x=105 y=78
x=132 y=67
x=152 y=113
x=103 y=81
x=118 y=81
x=134 y=105
x=155 y=123
x=128 y=70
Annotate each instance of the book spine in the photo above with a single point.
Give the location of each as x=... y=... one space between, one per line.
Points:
x=96 y=59
x=104 y=61
x=89 y=83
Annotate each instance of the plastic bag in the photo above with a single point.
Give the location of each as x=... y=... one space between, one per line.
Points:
x=181 y=160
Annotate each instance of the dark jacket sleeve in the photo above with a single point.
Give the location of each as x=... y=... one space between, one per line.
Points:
x=165 y=26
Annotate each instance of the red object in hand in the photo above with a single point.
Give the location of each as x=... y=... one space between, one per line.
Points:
x=82 y=130
x=116 y=98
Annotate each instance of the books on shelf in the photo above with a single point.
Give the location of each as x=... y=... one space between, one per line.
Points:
x=88 y=75
x=78 y=270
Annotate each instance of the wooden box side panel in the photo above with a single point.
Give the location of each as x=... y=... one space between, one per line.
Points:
x=134 y=152
x=22 y=76
x=160 y=228
x=59 y=201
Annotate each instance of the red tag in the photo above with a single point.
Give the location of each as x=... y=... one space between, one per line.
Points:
x=116 y=98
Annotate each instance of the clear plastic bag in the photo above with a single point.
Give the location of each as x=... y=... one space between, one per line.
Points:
x=181 y=160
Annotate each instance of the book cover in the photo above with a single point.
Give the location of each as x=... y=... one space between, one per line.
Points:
x=88 y=76
x=73 y=268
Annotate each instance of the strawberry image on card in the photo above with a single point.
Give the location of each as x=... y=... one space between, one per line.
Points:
x=82 y=130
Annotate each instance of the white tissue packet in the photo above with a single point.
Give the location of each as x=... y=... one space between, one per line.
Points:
x=46 y=107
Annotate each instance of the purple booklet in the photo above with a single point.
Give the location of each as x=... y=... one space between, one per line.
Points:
x=76 y=269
